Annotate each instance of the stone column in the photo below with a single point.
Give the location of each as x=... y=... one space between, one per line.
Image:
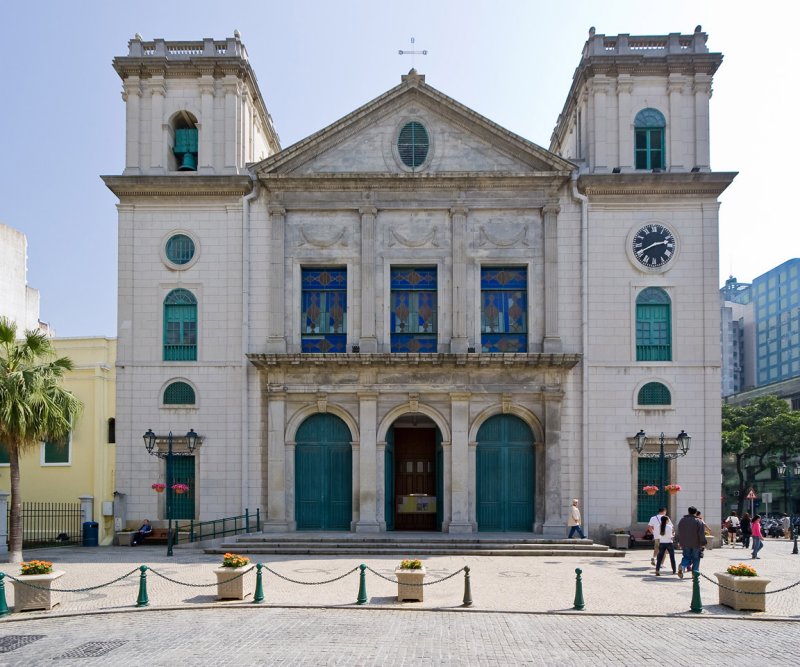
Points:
x=554 y=521
x=600 y=85
x=702 y=94
x=625 y=122
x=276 y=462
x=552 y=339
x=381 y=488
x=4 y=521
x=459 y=341
x=368 y=463
x=132 y=94
x=289 y=451
x=231 y=87
x=87 y=508
x=276 y=337
x=157 y=144
x=473 y=484
x=205 y=158
x=368 y=341
x=459 y=490
x=676 y=155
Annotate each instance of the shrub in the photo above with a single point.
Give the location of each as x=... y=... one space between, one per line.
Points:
x=36 y=567
x=742 y=570
x=411 y=564
x=234 y=560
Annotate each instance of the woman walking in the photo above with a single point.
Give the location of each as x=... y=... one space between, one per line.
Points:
x=665 y=544
x=747 y=530
x=758 y=536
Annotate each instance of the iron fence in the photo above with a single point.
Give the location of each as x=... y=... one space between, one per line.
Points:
x=195 y=531
x=50 y=524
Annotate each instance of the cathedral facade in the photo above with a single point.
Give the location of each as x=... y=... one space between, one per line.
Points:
x=415 y=319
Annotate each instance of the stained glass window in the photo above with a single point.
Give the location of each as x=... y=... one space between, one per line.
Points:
x=413 y=310
x=180 y=326
x=504 y=309
x=324 y=310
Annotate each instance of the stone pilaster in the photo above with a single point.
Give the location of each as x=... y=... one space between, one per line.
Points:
x=676 y=154
x=368 y=341
x=132 y=94
x=157 y=144
x=600 y=86
x=625 y=122
x=552 y=339
x=232 y=140
x=289 y=451
x=459 y=480
x=205 y=151
x=702 y=94
x=459 y=341
x=554 y=522
x=276 y=336
x=381 y=488
x=368 y=463
x=276 y=520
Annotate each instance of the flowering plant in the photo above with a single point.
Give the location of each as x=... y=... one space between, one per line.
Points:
x=234 y=560
x=650 y=489
x=411 y=564
x=742 y=570
x=673 y=487
x=180 y=488
x=620 y=531
x=36 y=567
x=158 y=486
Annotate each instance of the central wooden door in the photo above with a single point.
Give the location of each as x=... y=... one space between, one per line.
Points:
x=414 y=475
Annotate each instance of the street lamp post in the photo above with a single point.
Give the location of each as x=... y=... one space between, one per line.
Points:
x=785 y=471
x=684 y=442
x=150 y=440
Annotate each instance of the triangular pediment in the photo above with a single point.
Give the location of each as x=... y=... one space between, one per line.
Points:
x=460 y=141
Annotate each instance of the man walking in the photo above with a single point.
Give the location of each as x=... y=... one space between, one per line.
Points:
x=654 y=527
x=574 y=521
x=692 y=537
x=786 y=524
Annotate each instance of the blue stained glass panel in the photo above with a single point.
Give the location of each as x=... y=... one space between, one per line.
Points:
x=324 y=311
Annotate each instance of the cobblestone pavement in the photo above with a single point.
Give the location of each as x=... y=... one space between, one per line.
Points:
x=364 y=636
x=617 y=586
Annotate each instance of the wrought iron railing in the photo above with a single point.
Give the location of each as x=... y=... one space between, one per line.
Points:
x=50 y=524
x=195 y=531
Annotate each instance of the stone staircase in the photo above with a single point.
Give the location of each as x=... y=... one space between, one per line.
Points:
x=410 y=545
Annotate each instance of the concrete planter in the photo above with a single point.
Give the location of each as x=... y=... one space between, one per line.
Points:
x=620 y=541
x=27 y=598
x=742 y=592
x=408 y=584
x=230 y=586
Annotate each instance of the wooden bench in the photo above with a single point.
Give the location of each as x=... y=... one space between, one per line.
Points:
x=638 y=539
x=158 y=536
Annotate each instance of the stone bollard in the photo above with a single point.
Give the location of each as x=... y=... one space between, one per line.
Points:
x=142 y=600
x=578 y=604
x=362 y=585
x=467 y=588
x=258 y=596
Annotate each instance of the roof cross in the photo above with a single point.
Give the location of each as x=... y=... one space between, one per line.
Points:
x=412 y=53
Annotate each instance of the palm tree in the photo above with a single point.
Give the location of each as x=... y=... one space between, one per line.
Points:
x=33 y=407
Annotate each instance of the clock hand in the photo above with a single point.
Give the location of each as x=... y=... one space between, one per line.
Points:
x=652 y=245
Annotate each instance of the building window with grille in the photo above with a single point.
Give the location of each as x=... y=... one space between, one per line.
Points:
x=180 y=326
x=649 y=130
x=179 y=393
x=653 y=325
x=324 y=310
x=413 y=145
x=654 y=393
x=57 y=452
x=413 y=313
x=179 y=249
x=504 y=309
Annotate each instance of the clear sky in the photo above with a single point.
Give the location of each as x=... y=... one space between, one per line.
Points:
x=62 y=116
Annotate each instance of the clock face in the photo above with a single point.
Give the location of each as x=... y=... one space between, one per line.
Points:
x=654 y=246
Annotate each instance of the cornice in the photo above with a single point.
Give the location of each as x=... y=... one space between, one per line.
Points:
x=709 y=184
x=475 y=360
x=178 y=186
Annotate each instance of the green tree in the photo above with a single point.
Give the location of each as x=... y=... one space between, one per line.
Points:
x=758 y=435
x=33 y=407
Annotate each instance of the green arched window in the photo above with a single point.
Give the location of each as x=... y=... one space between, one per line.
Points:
x=180 y=326
x=653 y=325
x=179 y=393
x=654 y=393
x=649 y=130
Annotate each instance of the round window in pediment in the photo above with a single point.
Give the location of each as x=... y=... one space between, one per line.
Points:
x=180 y=249
x=413 y=144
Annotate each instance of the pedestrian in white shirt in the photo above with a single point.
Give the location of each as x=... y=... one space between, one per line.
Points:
x=654 y=527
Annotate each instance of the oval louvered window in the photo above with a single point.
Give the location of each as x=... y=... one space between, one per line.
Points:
x=413 y=144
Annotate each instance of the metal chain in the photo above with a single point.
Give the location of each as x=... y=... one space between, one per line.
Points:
x=309 y=583
x=736 y=590
x=183 y=583
x=70 y=590
x=425 y=583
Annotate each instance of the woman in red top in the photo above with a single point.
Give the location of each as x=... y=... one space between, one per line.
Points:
x=758 y=536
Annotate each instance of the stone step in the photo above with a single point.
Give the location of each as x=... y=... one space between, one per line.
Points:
x=311 y=551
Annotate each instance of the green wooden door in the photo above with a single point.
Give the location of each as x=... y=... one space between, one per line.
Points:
x=323 y=474
x=505 y=475
x=183 y=473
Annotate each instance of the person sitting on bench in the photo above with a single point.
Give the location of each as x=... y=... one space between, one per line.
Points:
x=144 y=530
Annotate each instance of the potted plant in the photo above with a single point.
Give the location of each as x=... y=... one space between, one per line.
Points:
x=620 y=539
x=158 y=487
x=230 y=582
x=40 y=574
x=410 y=574
x=672 y=489
x=180 y=488
x=650 y=490
x=740 y=587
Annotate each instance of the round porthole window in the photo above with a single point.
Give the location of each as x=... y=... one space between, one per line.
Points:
x=413 y=144
x=179 y=249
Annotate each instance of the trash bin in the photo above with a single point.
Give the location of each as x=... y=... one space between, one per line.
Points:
x=90 y=529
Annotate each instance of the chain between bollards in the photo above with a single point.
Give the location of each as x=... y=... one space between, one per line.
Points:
x=467 y=588
x=578 y=604
x=697 y=603
x=362 y=585
x=258 y=596
x=142 y=600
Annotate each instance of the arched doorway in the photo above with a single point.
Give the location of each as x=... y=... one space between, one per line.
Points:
x=323 y=474
x=505 y=475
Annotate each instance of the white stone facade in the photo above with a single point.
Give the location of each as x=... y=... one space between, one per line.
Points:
x=481 y=198
x=18 y=301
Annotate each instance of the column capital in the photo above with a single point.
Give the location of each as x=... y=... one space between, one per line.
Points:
x=551 y=208
x=459 y=210
x=368 y=210
x=367 y=395
x=276 y=209
x=460 y=395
